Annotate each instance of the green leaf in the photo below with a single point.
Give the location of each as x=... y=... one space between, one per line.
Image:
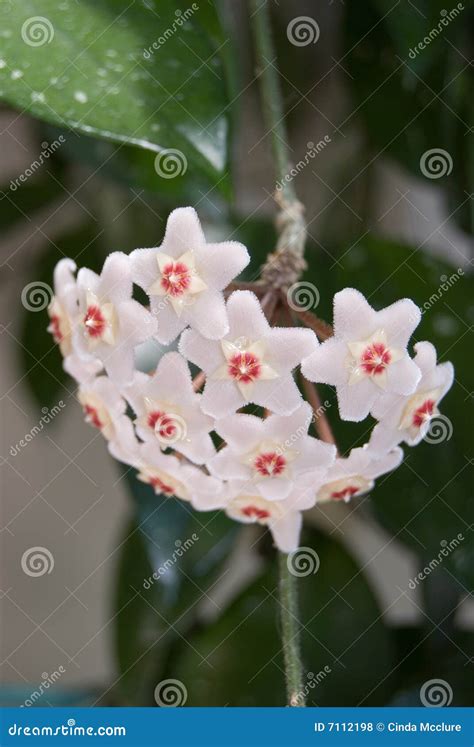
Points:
x=141 y=637
x=92 y=67
x=182 y=545
x=170 y=561
x=237 y=661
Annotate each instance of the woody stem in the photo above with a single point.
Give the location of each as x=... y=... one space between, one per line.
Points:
x=321 y=422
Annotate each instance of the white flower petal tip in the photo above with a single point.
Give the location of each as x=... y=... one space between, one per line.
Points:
x=367 y=356
x=252 y=363
x=185 y=277
x=354 y=476
x=63 y=307
x=170 y=477
x=406 y=418
x=82 y=370
x=104 y=408
x=283 y=521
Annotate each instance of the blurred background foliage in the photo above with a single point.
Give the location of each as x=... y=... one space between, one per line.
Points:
x=118 y=110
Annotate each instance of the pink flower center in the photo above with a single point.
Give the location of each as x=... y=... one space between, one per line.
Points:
x=270 y=464
x=375 y=358
x=56 y=328
x=92 y=416
x=161 y=487
x=175 y=278
x=255 y=512
x=94 y=322
x=347 y=492
x=164 y=425
x=422 y=413
x=244 y=367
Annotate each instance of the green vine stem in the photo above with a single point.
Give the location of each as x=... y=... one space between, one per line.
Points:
x=290 y=633
x=285 y=265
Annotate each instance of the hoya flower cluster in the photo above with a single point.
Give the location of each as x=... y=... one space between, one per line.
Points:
x=242 y=443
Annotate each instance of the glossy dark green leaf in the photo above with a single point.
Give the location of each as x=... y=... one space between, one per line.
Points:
x=237 y=661
x=141 y=636
x=131 y=166
x=145 y=74
x=170 y=562
x=186 y=549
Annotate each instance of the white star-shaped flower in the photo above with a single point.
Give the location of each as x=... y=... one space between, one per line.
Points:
x=252 y=363
x=170 y=476
x=64 y=305
x=283 y=518
x=110 y=324
x=270 y=454
x=367 y=355
x=352 y=476
x=105 y=409
x=168 y=409
x=185 y=277
x=407 y=418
